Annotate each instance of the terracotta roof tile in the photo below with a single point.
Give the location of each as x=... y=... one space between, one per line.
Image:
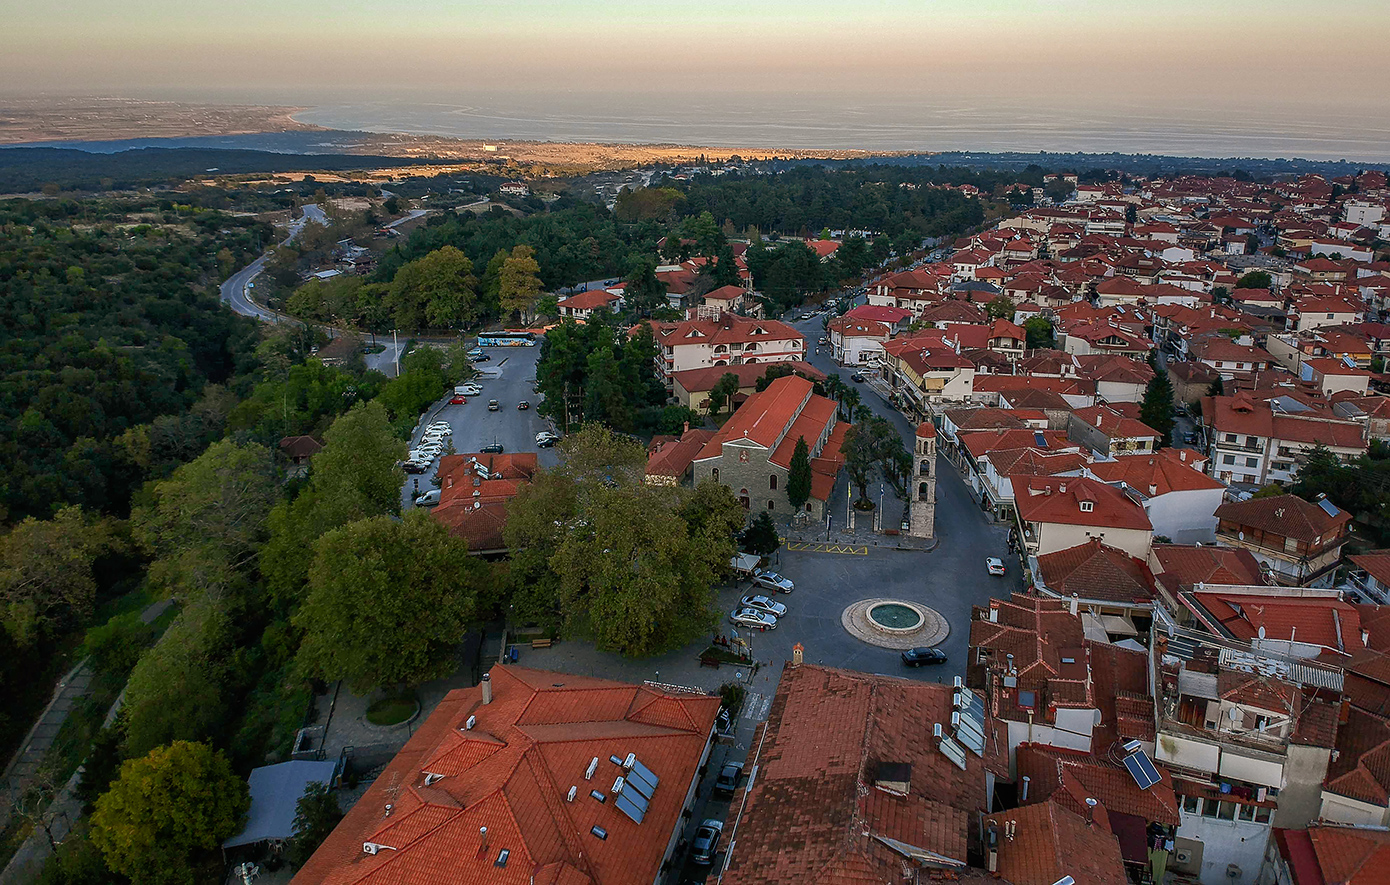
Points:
x=1097 y=571
x=1059 y=500
x=1050 y=842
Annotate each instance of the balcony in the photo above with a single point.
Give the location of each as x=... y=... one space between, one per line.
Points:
x=1237 y=447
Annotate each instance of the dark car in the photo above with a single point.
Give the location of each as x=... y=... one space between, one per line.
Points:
x=857 y=377
x=728 y=779
x=523 y=405
x=1190 y=436
x=706 y=843
x=492 y=449
x=917 y=657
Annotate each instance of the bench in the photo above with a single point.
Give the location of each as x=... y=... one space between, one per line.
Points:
x=541 y=643
x=710 y=662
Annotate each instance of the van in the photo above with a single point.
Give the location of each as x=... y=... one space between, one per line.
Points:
x=428 y=499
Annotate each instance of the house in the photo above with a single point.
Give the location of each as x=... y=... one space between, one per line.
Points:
x=895 y=318
x=1007 y=338
x=298 y=450
x=1230 y=360
x=752 y=453
x=731 y=340
x=1298 y=542
x=1372 y=574
x=1109 y=433
x=1357 y=789
x=1259 y=441
x=1057 y=513
x=692 y=387
x=514 y=189
x=1045 y=843
x=1177 y=496
x=1294 y=623
x=473 y=495
x=669 y=459
x=863 y=779
x=1331 y=853
x=1105 y=580
x=583 y=305
x=1335 y=376
x=1182 y=569
x=926 y=370
x=1249 y=739
x=530 y=777
x=857 y=342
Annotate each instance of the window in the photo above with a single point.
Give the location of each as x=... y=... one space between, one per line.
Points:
x=1226 y=811
x=1189 y=803
x=1209 y=807
x=772 y=482
x=1264 y=815
x=1252 y=462
x=1231 y=437
x=1228 y=459
x=715 y=474
x=1246 y=812
x=1087 y=506
x=771 y=505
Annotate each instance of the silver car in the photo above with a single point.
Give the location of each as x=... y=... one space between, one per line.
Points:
x=753 y=619
x=763 y=604
x=772 y=581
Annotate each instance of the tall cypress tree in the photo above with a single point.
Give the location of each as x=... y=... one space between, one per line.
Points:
x=799 y=479
x=1157 y=408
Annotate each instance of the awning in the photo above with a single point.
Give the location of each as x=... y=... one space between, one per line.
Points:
x=1093 y=628
x=275 y=792
x=1120 y=626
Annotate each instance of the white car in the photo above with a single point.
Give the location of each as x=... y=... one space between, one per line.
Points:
x=428 y=499
x=763 y=604
x=772 y=581
x=468 y=390
x=753 y=619
x=995 y=565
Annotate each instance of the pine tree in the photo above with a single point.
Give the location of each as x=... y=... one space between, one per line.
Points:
x=799 y=479
x=1157 y=408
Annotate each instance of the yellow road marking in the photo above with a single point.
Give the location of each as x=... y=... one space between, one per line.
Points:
x=823 y=547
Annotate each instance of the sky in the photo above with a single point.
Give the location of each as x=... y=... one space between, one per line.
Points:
x=1265 y=57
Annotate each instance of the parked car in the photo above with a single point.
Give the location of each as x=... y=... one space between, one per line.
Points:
x=917 y=657
x=772 y=581
x=491 y=449
x=995 y=565
x=545 y=439
x=1190 y=436
x=468 y=390
x=457 y=400
x=857 y=377
x=824 y=341
x=492 y=405
x=706 y=843
x=523 y=406
x=441 y=425
x=428 y=499
x=728 y=780
x=752 y=618
x=763 y=604
x=415 y=466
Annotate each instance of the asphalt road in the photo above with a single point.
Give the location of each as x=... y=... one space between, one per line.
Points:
x=507 y=377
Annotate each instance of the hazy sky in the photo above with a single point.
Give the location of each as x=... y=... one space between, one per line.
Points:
x=1272 y=54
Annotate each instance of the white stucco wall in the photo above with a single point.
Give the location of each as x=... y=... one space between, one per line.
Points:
x=1186 y=517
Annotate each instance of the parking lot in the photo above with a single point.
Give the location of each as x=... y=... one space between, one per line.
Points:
x=506 y=376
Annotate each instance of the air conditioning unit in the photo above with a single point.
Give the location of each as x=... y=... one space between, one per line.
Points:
x=1182 y=856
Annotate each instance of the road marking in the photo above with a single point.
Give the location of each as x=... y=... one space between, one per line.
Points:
x=755 y=706
x=823 y=547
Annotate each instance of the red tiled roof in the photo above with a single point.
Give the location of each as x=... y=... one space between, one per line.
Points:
x=764 y=416
x=300 y=446
x=1286 y=515
x=1097 y=571
x=1188 y=566
x=1115 y=425
x=1360 y=768
x=726 y=293
x=673 y=458
x=1050 y=842
x=475 y=508
x=879 y=313
x=1070 y=777
x=983 y=442
x=1059 y=499
x=1375 y=563
x=1321 y=621
x=510 y=773
x=1350 y=856
x=1157 y=473
x=590 y=300
x=813 y=814
x=703 y=380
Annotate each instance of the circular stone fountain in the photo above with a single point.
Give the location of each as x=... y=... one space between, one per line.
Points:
x=893 y=623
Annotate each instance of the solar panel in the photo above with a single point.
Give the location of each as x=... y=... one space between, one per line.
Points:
x=1329 y=508
x=639 y=783
x=635 y=797
x=951 y=750
x=967 y=734
x=630 y=808
x=646 y=773
x=1141 y=768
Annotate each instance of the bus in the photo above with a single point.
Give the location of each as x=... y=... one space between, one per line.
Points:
x=507 y=339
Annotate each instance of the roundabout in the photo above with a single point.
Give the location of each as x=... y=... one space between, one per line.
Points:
x=894 y=623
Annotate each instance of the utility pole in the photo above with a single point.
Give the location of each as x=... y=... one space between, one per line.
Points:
x=397 y=348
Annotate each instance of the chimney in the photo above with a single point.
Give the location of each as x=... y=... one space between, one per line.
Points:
x=482 y=834
x=1062 y=488
x=1090 y=811
x=1023 y=797
x=685 y=428
x=487 y=693
x=1365 y=637
x=994 y=610
x=798 y=654
x=1073 y=604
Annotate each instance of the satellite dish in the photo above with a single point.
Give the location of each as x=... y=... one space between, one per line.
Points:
x=1262 y=631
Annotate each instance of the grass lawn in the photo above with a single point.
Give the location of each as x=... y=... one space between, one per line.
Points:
x=392 y=709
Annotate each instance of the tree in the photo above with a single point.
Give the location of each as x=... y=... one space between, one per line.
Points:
x=168 y=812
x=799 y=475
x=46 y=573
x=1255 y=279
x=644 y=292
x=437 y=291
x=1157 y=408
x=1217 y=387
x=724 y=270
x=388 y=602
x=1039 y=333
x=316 y=814
x=355 y=476
x=1000 y=308
x=178 y=689
x=519 y=283
x=219 y=502
x=761 y=536
x=871 y=443
x=722 y=394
